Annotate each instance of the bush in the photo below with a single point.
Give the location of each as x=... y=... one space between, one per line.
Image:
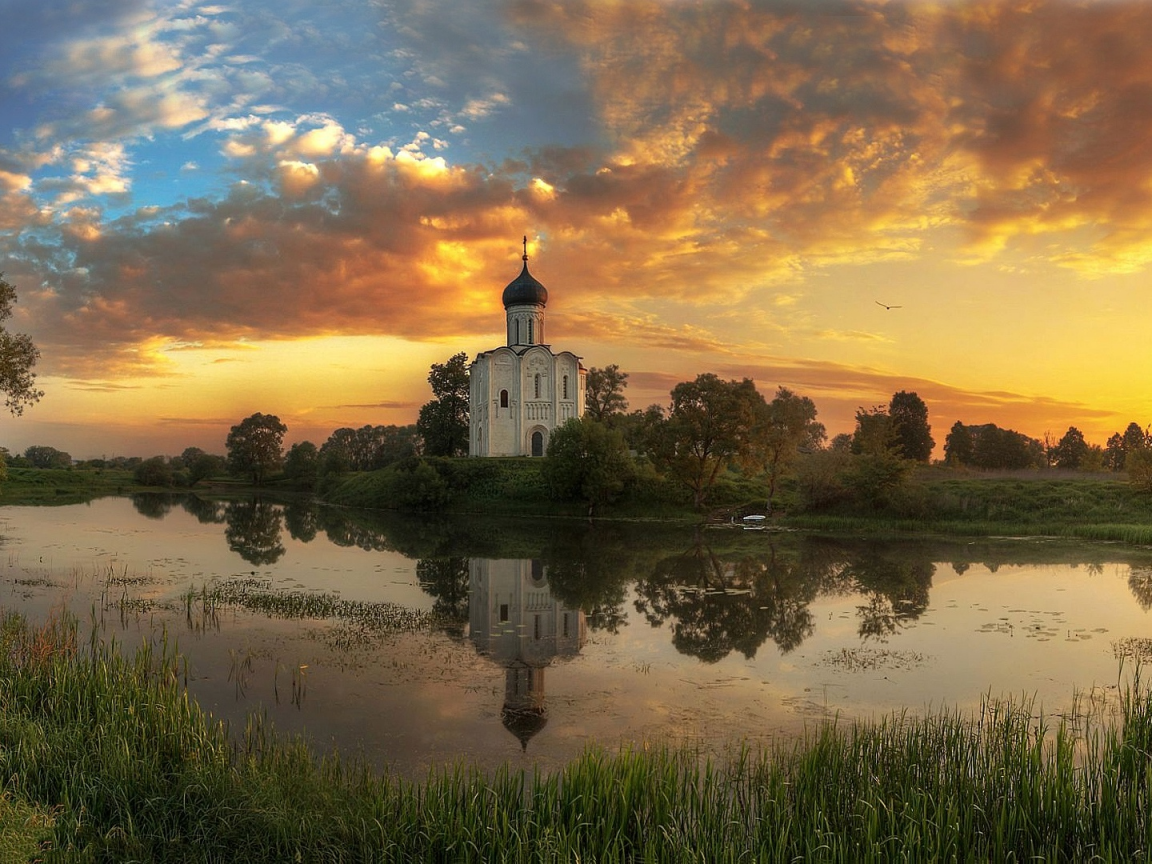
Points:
x=421 y=488
x=155 y=472
x=1139 y=465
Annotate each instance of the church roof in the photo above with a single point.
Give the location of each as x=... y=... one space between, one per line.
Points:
x=525 y=290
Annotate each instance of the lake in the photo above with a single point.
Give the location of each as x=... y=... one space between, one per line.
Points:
x=420 y=641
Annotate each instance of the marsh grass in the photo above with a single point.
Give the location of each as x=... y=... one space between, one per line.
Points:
x=130 y=768
x=258 y=595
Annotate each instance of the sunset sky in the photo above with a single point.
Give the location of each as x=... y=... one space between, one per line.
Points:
x=294 y=207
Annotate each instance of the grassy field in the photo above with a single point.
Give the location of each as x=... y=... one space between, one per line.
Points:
x=105 y=758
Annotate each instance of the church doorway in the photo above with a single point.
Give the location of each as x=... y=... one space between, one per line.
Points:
x=537 y=443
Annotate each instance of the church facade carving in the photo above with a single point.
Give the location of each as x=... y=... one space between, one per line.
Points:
x=523 y=390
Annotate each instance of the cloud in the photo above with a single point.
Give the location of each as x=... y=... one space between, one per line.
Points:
x=370 y=405
x=702 y=158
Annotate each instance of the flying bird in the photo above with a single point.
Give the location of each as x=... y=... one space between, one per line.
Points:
x=886 y=306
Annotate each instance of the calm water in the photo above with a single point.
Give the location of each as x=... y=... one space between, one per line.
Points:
x=552 y=635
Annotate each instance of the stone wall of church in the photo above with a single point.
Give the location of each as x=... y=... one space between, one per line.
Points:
x=504 y=404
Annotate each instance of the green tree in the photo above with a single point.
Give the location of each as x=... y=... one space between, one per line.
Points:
x=708 y=429
x=874 y=431
x=40 y=456
x=784 y=428
x=604 y=393
x=443 y=422
x=958 y=446
x=154 y=472
x=878 y=468
x=994 y=448
x=1071 y=450
x=910 y=423
x=204 y=466
x=1139 y=465
x=1136 y=438
x=255 y=447
x=588 y=461
x=1114 y=453
x=419 y=486
x=302 y=464
x=17 y=357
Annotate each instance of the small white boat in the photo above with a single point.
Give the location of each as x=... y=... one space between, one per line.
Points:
x=754 y=522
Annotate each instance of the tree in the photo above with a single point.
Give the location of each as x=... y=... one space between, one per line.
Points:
x=784 y=427
x=994 y=448
x=874 y=432
x=40 y=456
x=154 y=472
x=17 y=357
x=1139 y=467
x=878 y=468
x=302 y=464
x=588 y=461
x=254 y=446
x=1071 y=450
x=958 y=446
x=604 y=393
x=443 y=422
x=910 y=423
x=708 y=428
x=1114 y=453
x=368 y=448
x=203 y=466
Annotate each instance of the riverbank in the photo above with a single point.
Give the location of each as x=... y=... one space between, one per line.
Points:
x=933 y=500
x=63 y=485
x=115 y=762
x=1093 y=507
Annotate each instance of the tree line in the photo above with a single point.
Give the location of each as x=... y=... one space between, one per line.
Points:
x=711 y=429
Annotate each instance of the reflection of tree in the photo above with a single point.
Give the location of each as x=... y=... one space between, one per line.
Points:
x=588 y=569
x=152 y=505
x=895 y=587
x=347 y=528
x=206 y=512
x=253 y=531
x=446 y=580
x=1140 y=584
x=724 y=605
x=301 y=520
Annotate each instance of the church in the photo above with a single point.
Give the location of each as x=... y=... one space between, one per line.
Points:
x=521 y=391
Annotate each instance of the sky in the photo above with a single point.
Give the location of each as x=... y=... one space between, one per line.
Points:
x=212 y=209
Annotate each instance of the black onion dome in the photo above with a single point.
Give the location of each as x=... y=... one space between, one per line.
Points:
x=524 y=290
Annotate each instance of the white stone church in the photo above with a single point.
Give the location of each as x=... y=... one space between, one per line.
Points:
x=521 y=391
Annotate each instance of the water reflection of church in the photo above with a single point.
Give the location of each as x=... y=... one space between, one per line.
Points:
x=514 y=620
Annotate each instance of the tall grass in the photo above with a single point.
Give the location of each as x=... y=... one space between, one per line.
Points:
x=132 y=769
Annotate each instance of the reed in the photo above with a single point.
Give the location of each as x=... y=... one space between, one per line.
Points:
x=130 y=768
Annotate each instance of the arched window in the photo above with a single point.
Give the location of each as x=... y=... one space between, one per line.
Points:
x=503 y=398
x=537 y=385
x=517 y=323
x=530 y=340
x=565 y=386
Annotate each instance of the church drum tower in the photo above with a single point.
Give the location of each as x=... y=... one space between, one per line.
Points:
x=521 y=391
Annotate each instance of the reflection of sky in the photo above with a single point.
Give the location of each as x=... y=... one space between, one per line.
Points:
x=178 y=551
x=417 y=699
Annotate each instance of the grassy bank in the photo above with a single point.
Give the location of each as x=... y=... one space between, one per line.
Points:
x=62 y=486
x=1087 y=506
x=511 y=487
x=119 y=764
